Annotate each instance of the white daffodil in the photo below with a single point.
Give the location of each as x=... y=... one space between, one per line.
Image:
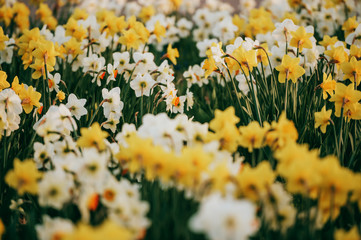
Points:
x=142 y=84
x=112 y=101
x=53 y=82
x=76 y=106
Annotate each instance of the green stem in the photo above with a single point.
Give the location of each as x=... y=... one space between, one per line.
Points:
x=255 y=99
x=253 y=159
x=235 y=88
x=141 y=109
x=340 y=135
x=96 y=112
x=335 y=134
x=286 y=97
x=3 y=170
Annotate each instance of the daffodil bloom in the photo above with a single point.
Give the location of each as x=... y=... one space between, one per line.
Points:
x=159 y=31
x=43 y=11
x=16 y=86
x=80 y=14
x=39 y=68
x=7 y=14
x=45 y=52
x=252 y=136
x=3 y=39
x=322 y=119
x=353 y=111
x=3 y=83
x=344 y=97
x=130 y=38
x=73 y=47
x=254 y=182
x=172 y=54
x=209 y=66
x=289 y=69
x=60 y=95
x=355 y=52
x=262 y=52
x=349 y=25
x=328 y=41
x=247 y=59
x=146 y=13
x=29 y=98
x=352 y=70
x=351 y=234
x=23 y=177
x=301 y=39
x=223 y=118
x=73 y=29
x=328 y=85
x=92 y=137
x=337 y=55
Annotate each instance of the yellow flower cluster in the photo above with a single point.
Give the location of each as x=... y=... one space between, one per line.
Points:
x=322 y=179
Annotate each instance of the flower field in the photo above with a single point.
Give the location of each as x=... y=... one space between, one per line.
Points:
x=180 y=119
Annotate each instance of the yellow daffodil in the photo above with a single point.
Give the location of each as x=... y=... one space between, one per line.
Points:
x=159 y=31
x=92 y=137
x=209 y=66
x=6 y=14
x=353 y=111
x=328 y=41
x=252 y=136
x=355 y=52
x=322 y=119
x=3 y=39
x=16 y=87
x=349 y=25
x=337 y=55
x=73 y=29
x=254 y=182
x=289 y=69
x=223 y=118
x=303 y=180
x=146 y=13
x=341 y=234
x=43 y=11
x=247 y=59
x=23 y=177
x=60 y=95
x=352 y=70
x=344 y=97
x=301 y=39
x=281 y=133
x=176 y=3
x=172 y=54
x=328 y=85
x=262 y=52
x=45 y=52
x=80 y=14
x=29 y=98
x=3 y=83
x=130 y=39
x=73 y=47
x=240 y=23
x=51 y=22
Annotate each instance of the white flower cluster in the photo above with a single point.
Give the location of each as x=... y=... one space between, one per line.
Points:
x=6 y=55
x=175 y=29
x=112 y=107
x=83 y=179
x=225 y=218
x=10 y=110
